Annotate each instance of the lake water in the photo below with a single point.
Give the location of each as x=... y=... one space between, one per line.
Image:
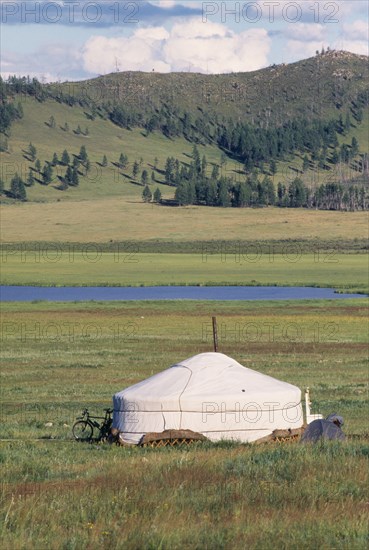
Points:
x=68 y=294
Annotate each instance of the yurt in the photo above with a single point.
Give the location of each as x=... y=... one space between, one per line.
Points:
x=210 y=394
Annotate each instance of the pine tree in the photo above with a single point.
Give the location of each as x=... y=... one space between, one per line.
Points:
x=87 y=131
x=78 y=130
x=74 y=177
x=52 y=122
x=55 y=160
x=170 y=171
x=243 y=198
x=321 y=160
x=1 y=186
x=32 y=152
x=196 y=160
x=68 y=178
x=191 y=192
x=135 y=169
x=3 y=144
x=211 y=197
x=22 y=193
x=17 y=188
x=145 y=177
x=153 y=176
x=296 y=193
x=83 y=154
x=335 y=157
x=65 y=158
x=223 y=160
x=305 y=163
x=146 y=194
x=20 y=112
x=181 y=194
x=204 y=164
x=354 y=147
x=215 y=172
x=157 y=195
x=273 y=167
x=223 y=195
x=47 y=173
x=123 y=161
x=269 y=191
x=30 y=178
x=87 y=166
x=38 y=166
x=104 y=161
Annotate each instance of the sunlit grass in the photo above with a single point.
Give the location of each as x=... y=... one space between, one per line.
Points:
x=59 y=357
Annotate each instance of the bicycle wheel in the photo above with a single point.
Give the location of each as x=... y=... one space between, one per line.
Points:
x=82 y=431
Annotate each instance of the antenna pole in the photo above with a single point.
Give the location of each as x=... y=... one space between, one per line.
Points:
x=215 y=334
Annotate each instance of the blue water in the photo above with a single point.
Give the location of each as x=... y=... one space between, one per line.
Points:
x=68 y=294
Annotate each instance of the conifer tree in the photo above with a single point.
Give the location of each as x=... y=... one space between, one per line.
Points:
x=65 y=157
x=135 y=169
x=30 y=178
x=157 y=195
x=32 y=151
x=145 y=177
x=38 y=166
x=146 y=194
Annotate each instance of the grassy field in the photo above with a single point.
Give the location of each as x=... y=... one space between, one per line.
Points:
x=237 y=265
x=120 y=219
x=56 y=494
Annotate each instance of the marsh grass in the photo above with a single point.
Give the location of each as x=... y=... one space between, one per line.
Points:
x=340 y=271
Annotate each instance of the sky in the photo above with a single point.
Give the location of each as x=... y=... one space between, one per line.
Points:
x=78 y=39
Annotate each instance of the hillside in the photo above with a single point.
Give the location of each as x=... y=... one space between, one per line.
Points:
x=316 y=87
x=149 y=117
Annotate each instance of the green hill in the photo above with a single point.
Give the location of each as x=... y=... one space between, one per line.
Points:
x=163 y=115
x=316 y=87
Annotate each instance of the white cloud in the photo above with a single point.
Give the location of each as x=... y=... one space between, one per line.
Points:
x=191 y=44
x=357 y=30
x=306 y=32
x=360 y=47
x=297 y=49
x=139 y=52
x=51 y=63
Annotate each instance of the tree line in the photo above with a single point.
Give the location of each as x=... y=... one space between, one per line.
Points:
x=194 y=186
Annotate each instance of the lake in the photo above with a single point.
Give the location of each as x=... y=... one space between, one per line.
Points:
x=68 y=294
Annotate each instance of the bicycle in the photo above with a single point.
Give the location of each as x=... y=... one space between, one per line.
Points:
x=83 y=429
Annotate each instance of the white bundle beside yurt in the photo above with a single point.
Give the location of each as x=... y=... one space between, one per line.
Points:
x=210 y=394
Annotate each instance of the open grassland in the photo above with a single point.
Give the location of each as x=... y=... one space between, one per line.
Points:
x=118 y=220
x=236 y=265
x=60 y=357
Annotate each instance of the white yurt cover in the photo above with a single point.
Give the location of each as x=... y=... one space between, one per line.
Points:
x=209 y=393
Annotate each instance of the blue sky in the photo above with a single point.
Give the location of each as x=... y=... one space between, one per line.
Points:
x=72 y=40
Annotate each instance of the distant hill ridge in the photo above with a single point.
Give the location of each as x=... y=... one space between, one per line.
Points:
x=316 y=87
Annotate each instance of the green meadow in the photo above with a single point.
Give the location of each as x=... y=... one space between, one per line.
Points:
x=56 y=493
x=236 y=265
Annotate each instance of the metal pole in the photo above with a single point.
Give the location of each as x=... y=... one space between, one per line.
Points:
x=215 y=334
